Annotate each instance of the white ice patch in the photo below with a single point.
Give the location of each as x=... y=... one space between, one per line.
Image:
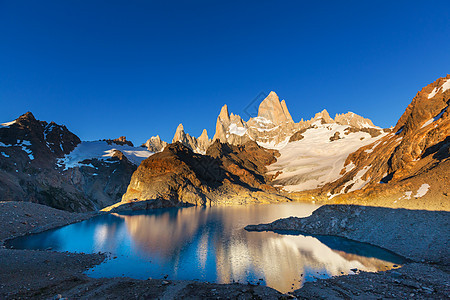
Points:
x=406 y=196
x=262 y=120
x=7 y=124
x=265 y=129
x=4 y=154
x=102 y=151
x=4 y=145
x=25 y=145
x=349 y=167
x=445 y=86
x=274 y=144
x=433 y=93
x=314 y=161
x=422 y=190
x=234 y=129
x=358 y=182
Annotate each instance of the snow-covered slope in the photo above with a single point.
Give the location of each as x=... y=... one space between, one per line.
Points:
x=102 y=150
x=316 y=159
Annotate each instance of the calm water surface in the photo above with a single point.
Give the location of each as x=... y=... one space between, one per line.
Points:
x=210 y=244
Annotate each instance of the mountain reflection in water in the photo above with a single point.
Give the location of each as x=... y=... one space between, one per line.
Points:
x=210 y=244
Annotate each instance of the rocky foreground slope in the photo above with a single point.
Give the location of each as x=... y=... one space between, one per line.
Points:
x=418 y=235
x=414 y=234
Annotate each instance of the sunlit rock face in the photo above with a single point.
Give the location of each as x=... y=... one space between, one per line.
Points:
x=198 y=145
x=408 y=167
x=313 y=153
x=155 y=144
x=226 y=174
x=46 y=163
x=272 y=109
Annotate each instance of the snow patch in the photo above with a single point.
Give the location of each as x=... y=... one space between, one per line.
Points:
x=265 y=129
x=4 y=154
x=358 y=182
x=102 y=151
x=234 y=129
x=349 y=167
x=445 y=86
x=313 y=161
x=422 y=190
x=25 y=145
x=433 y=93
x=4 y=145
x=7 y=124
x=406 y=196
x=262 y=120
x=274 y=144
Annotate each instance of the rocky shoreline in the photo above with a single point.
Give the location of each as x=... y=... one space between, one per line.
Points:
x=45 y=274
x=421 y=236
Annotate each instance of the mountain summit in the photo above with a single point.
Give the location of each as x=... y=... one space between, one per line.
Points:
x=274 y=126
x=273 y=110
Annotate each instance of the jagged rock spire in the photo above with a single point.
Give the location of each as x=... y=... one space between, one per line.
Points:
x=324 y=115
x=222 y=124
x=272 y=109
x=155 y=144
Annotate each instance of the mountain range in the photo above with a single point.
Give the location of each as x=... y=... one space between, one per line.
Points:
x=268 y=158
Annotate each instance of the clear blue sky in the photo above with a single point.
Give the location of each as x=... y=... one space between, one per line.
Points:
x=138 y=68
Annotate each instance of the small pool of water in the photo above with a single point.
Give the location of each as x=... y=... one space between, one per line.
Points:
x=210 y=244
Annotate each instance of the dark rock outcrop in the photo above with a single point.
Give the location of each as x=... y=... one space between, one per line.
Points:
x=122 y=140
x=29 y=169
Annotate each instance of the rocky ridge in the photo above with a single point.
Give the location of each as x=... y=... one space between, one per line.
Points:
x=198 y=145
x=155 y=144
x=226 y=174
x=407 y=167
x=35 y=167
x=273 y=126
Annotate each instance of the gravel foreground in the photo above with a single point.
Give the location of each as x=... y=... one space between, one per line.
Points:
x=421 y=236
x=51 y=275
